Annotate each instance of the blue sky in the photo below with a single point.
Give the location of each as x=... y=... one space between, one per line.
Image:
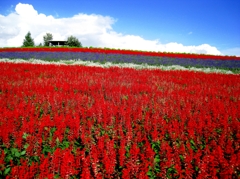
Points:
x=192 y=23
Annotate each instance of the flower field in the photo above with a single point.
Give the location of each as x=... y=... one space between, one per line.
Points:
x=231 y=63
x=74 y=121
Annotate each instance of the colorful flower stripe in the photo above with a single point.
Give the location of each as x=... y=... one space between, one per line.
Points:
x=59 y=121
x=123 y=58
x=126 y=52
x=121 y=65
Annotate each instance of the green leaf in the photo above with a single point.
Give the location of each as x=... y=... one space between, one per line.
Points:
x=14 y=150
x=157 y=159
x=156 y=146
x=24 y=135
x=157 y=169
x=6 y=171
x=17 y=154
x=6 y=151
x=34 y=159
x=181 y=157
x=149 y=173
x=192 y=142
x=66 y=144
x=52 y=130
x=8 y=158
x=102 y=132
x=25 y=146
x=56 y=176
x=77 y=143
x=47 y=150
x=23 y=152
x=193 y=145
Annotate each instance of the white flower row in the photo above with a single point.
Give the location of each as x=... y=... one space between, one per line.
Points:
x=121 y=65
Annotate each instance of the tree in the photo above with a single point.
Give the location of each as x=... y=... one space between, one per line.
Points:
x=46 y=38
x=28 y=41
x=73 y=42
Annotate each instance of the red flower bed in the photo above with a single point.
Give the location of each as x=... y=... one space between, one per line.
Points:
x=90 y=122
x=115 y=51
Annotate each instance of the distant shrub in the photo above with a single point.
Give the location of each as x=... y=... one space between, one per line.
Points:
x=28 y=41
x=73 y=42
x=46 y=38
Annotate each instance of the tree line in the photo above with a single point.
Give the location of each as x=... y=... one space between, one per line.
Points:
x=29 y=41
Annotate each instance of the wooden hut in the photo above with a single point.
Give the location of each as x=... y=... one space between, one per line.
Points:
x=57 y=43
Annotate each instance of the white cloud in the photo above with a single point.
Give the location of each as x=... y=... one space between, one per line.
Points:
x=91 y=30
x=232 y=51
x=26 y=10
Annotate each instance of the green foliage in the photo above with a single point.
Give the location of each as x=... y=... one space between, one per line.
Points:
x=46 y=38
x=155 y=169
x=73 y=42
x=64 y=145
x=28 y=41
x=12 y=154
x=171 y=171
x=193 y=145
x=151 y=173
x=156 y=146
